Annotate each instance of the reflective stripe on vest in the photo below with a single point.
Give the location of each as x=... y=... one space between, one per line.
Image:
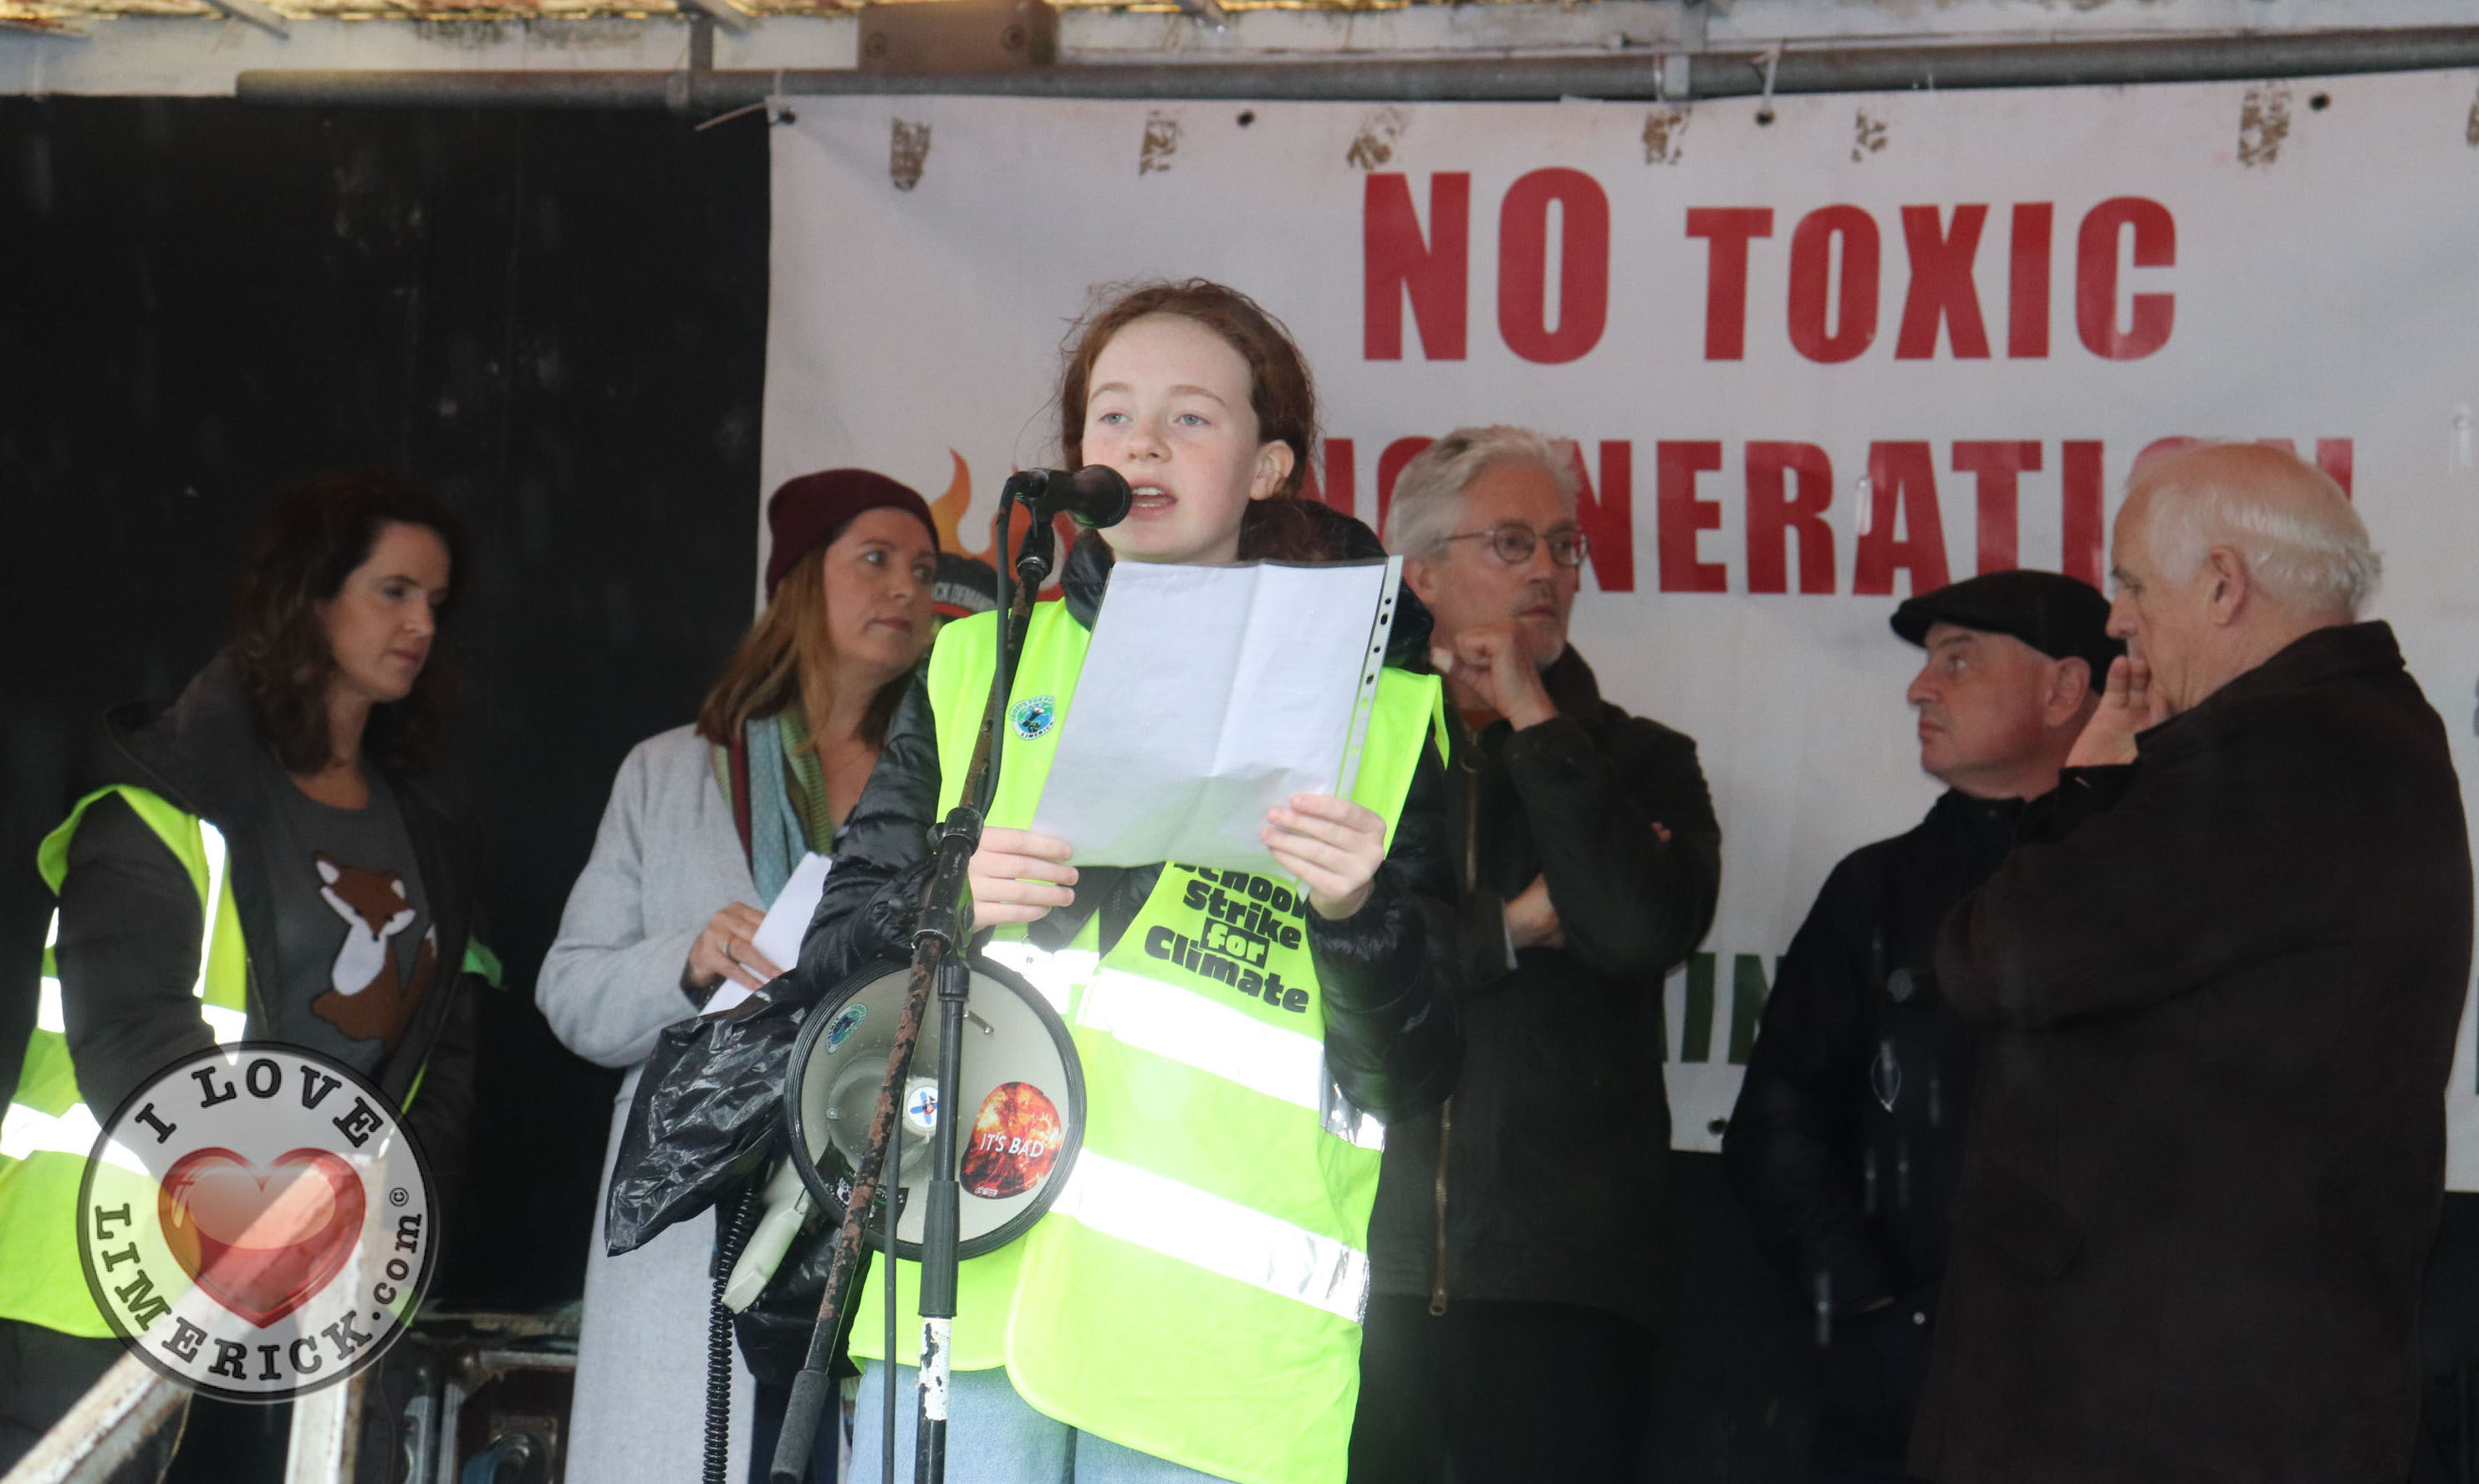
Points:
x=48 y=1132
x=1219 y=1204
x=1222 y=1236
x=1196 y=1032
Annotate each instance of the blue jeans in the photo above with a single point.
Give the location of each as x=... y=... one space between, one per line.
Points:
x=993 y=1437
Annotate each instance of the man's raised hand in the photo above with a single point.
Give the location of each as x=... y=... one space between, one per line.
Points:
x=1492 y=665
x=2129 y=706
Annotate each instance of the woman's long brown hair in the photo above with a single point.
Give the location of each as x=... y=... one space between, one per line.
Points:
x=312 y=538
x=785 y=657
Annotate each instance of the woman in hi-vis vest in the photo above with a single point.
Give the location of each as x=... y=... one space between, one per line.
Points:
x=1190 y=1308
x=274 y=858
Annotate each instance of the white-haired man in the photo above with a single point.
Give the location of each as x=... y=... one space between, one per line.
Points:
x=1509 y=1327
x=2221 y=980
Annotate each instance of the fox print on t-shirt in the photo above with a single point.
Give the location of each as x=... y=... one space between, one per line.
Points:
x=369 y=998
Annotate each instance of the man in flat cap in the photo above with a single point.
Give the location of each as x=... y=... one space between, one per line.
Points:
x=1847 y=1142
x=2220 y=977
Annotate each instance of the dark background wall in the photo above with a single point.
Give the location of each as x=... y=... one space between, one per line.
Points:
x=558 y=320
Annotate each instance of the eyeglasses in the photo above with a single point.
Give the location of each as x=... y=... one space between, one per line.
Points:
x=1514 y=541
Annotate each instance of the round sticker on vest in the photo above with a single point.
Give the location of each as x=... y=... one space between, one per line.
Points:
x=1033 y=715
x=255 y=1224
x=1015 y=1140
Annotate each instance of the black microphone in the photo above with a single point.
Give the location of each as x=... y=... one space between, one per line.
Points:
x=1095 y=495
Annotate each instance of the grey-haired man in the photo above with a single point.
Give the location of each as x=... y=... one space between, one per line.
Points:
x=1509 y=1330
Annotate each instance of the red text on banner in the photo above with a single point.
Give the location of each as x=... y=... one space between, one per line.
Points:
x=1554 y=256
x=1893 y=526
x=1833 y=279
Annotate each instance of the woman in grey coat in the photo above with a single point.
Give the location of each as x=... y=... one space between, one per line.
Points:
x=704 y=824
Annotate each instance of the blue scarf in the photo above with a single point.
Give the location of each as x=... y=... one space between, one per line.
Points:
x=776 y=844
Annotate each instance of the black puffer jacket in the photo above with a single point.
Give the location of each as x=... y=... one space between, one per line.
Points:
x=1559 y=1133
x=1393 y=1041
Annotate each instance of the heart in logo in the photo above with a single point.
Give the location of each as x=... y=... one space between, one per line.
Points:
x=261 y=1242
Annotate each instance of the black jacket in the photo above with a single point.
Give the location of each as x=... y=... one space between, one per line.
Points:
x=1846 y=1144
x=1845 y=1147
x=1559 y=1132
x=1392 y=1040
x=130 y=921
x=2221 y=987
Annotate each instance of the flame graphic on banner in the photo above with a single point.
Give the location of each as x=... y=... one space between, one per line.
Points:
x=949 y=509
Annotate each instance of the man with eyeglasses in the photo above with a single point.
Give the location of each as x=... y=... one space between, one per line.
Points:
x=1509 y=1328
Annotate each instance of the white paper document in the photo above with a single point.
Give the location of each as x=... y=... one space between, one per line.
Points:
x=787 y=921
x=779 y=937
x=1210 y=694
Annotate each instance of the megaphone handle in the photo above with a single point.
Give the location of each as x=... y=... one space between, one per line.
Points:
x=787 y=1206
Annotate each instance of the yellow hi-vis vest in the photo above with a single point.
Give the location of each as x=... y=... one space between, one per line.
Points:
x=1196 y=1291
x=49 y=1132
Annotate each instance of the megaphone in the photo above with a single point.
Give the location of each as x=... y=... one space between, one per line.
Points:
x=1023 y=1089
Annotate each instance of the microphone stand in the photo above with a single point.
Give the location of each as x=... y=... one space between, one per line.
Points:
x=940 y=943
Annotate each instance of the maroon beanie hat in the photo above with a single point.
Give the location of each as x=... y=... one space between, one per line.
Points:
x=812 y=511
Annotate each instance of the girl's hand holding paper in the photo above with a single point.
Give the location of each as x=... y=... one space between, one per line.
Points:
x=1017 y=875
x=1334 y=846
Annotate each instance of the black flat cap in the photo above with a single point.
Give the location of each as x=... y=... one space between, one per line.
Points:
x=2058 y=615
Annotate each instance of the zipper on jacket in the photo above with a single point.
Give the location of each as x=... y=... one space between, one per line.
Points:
x=1446 y=1141
x=1471 y=771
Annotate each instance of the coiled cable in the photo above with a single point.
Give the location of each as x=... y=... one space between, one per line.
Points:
x=718 y=1338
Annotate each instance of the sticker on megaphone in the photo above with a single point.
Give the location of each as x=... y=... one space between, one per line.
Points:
x=1015 y=1141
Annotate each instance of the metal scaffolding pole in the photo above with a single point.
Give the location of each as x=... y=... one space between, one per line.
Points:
x=106 y=1429
x=1630 y=75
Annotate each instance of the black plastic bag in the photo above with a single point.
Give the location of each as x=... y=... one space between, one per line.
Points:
x=708 y=1111
x=706 y=1126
